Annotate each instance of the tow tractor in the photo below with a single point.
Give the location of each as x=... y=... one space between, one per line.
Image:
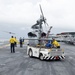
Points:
x=36 y=47
x=45 y=53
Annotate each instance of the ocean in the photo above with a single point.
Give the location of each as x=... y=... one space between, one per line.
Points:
x=4 y=41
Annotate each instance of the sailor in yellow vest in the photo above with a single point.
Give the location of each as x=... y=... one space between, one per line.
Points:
x=16 y=42
x=55 y=44
x=12 y=44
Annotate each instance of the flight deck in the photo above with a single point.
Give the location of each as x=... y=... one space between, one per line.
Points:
x=19 y=63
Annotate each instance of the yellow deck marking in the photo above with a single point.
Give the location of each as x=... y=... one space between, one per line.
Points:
x=4 y=46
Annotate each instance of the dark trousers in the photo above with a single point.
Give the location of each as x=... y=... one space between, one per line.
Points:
x=21 y=44
x=15 y=44
x=58 y=46
x=12 y=46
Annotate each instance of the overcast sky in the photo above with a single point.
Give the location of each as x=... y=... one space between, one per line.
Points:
x=19 y=15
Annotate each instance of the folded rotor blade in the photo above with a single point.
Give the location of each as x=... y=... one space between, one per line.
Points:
x=41 y=10
x=42 y=13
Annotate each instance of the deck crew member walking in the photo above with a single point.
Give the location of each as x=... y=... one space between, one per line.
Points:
x=21 y=42
x=55 y=44
x=16 y=42
x=12 y=44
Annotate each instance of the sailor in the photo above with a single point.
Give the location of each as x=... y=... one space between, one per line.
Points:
x=23 y=39
x=12 y=44
x=21 y=42
x=48 y=44
x=16 y=42
x=55 y=43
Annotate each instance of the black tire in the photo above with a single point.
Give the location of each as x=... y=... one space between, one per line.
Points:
x=30 y=53
x=41 y=57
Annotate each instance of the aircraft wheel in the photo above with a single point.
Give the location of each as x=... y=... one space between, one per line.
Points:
x=41 y=57
x=30 y=53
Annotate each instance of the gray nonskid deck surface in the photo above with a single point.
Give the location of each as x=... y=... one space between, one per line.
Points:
x=20 y=64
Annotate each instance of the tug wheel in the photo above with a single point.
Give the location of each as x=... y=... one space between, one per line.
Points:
x=30 y=53
x=41 y=57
